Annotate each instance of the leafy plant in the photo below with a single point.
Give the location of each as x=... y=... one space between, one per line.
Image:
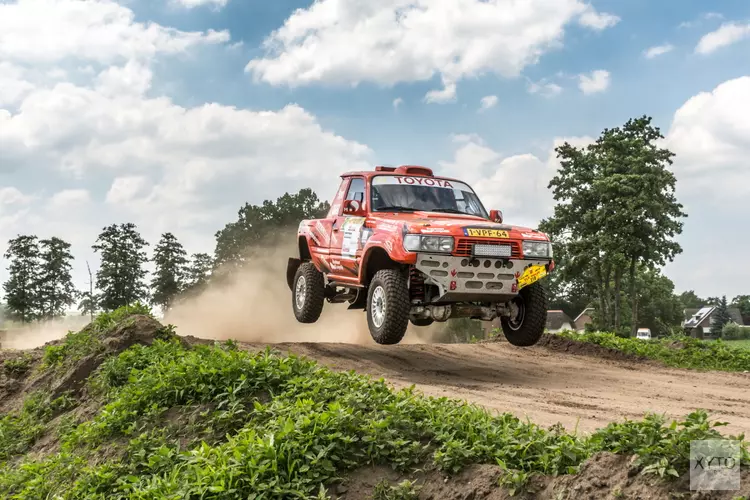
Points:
x=405 y=490
x=18 y=365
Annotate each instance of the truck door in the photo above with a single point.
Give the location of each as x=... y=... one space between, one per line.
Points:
x=345 y=253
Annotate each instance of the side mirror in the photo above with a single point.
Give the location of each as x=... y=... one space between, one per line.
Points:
x=496 y=216
x=353 y=207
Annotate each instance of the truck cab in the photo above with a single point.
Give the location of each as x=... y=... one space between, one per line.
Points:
x=404 y=246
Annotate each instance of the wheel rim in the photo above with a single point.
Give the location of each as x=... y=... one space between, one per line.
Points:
x=378 y=306
x=517 y=314
x=300 y=292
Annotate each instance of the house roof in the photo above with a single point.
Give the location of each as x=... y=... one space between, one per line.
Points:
x=556 y=319
x=694 y=317
x=588 y=311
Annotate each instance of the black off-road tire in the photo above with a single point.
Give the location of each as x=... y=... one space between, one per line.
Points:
x=529 y=330
x=309 y=308
x=422 y=321
x=394 y=293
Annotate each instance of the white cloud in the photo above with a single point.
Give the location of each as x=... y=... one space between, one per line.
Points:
x=69 y=198
x=658 y=50
x=594 y=20
x=133 y=156
x=488 y=102
x=37 y=31
x=710 y=135
x=350 y=41
x=727 y=34
x=446 y=94
x=191 y=4
x=397 y=102
x=544 y=88
x=597 y=81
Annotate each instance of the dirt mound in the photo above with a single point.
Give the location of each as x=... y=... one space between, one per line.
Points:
x=603 y=476
x=78 y=355
x=562 y=344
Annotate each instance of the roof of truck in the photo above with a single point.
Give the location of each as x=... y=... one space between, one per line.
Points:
x=410 y=170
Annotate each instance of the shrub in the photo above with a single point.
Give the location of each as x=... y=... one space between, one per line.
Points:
x=733 y=331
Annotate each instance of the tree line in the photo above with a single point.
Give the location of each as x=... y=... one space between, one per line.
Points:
x=40 y=284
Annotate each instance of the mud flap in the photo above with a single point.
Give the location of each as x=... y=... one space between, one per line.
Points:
x=291 y=270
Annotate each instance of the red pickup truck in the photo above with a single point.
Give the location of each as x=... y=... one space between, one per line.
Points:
x=405 y=245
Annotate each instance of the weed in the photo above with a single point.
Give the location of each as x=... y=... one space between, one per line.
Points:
x=19 y=365
x=405 y=490
x=678 y=351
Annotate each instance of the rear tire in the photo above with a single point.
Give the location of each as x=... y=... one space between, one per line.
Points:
x=388 y=306
x=422 y=321
x=526 y=325
x=308 y=293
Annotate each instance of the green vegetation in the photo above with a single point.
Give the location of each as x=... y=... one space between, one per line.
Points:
x=212 y=421
x=405 y=490
x=76 y=345
x=18 y=365
x=679 y=351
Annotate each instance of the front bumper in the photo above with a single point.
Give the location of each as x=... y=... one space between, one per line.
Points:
x=475 y=279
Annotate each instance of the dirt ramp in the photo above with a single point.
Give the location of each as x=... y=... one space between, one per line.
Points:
x=62 y=366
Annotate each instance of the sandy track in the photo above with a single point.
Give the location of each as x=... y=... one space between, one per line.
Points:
x=545 y=385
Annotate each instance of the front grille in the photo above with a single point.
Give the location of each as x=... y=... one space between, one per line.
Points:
x=465 y=245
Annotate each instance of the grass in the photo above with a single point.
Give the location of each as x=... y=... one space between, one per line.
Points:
x=744 y=344
x=212 y=421
x=676 y=351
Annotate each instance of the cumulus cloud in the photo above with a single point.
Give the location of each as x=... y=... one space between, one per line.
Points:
x=488 y=102
x=595 y=82
x=658 y=50
x=727 y=34
x=710 y=135
x=349 y=41
x=76 y=110
x=544 y=88
x=191 y=4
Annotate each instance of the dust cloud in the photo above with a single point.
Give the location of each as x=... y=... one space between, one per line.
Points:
x=255 y=305
x=39 y=333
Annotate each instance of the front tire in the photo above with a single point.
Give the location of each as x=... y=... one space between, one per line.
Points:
x=388 y=306
x=308 y=293
x=526 y=323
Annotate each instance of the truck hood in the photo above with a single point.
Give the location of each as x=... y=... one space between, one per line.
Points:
x=450 y=224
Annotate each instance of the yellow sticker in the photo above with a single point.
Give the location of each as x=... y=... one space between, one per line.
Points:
x=531 y=275
x=486 y=233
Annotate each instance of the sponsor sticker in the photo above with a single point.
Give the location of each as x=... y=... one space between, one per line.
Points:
x=419 y=181
x=435 y=230
x=484 y=232
x=352 y=228
x=531 y=275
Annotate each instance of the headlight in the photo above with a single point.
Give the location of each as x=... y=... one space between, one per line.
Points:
x=434 y=244
x=542 y=249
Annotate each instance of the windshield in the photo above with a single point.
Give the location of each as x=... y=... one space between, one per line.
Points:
x=404 y=193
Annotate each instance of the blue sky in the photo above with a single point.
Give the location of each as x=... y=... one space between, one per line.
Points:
x=165 y=126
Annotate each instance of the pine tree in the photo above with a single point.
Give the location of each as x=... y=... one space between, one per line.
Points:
x=56 y=290
x=720 y=317
x=199 y=270
x=121 y=276
x=22 y=287
x=169 y=277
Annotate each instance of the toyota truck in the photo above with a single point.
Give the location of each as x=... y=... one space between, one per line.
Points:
x=404 y=245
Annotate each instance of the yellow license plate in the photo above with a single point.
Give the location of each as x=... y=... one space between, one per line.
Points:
x=486 y=233
x=531 y=275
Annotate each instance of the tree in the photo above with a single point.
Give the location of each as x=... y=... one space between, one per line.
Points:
x=660 y=310
x=616 y=206
x=89 y=300
x=199 y=271
x=56 y=290
x=259 y=225
x=690 y=300
x=121 y=277
x=720 y=318
x=22 y=287
x=169 y=276
x=742 y=302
